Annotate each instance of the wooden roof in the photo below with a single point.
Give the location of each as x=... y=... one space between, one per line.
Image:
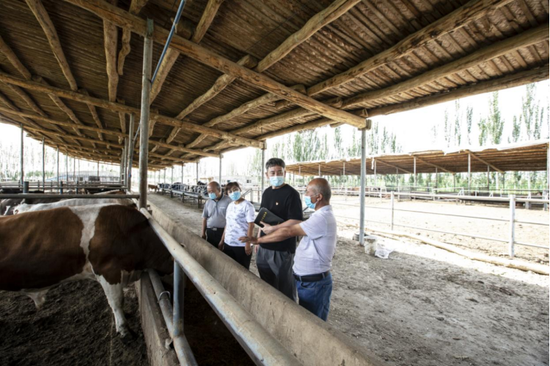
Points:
x=529 y=156
x=239 y=72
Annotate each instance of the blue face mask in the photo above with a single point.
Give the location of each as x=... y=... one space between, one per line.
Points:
x=235 y=195
x=212 y=196
x=277 y=181
x=308 y=202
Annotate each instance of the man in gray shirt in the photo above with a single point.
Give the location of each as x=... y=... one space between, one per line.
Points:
x=313 y=259
x=213 y=215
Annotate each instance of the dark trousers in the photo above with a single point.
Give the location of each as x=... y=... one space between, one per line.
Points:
x=214 y=236
x=238 y=254
x=275 y=268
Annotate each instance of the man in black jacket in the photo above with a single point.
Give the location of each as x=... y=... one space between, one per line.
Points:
x=274 y=260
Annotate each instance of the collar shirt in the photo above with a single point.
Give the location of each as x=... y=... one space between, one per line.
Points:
x=214 y=211
x=316 y=249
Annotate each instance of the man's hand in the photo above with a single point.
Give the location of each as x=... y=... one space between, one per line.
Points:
x=248 y=249
x=248 y=239
x=203 y=236
x=220 y=246
x=267 y=229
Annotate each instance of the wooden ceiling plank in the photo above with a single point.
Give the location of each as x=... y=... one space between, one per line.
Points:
x=112 y=106
x=469 y=12
x=209 y=58
x=135 y=7
x=46 y=23
x=524 y=39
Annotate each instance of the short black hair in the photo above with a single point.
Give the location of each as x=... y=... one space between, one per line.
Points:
x=230 y=185
x=275 y=162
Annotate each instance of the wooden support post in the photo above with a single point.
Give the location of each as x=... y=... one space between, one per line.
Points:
x=262 y=180
x=58 y=185
x=145 y=110
x=197 y=172
x=362 y=192
x=469 y=173
x=43 y=164
x=22 y=157
x=220 y=180
x=130 y=150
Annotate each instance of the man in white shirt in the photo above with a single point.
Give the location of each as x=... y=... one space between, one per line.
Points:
x=313 y=259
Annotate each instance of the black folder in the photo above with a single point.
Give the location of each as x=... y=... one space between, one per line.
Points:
x=264 y=215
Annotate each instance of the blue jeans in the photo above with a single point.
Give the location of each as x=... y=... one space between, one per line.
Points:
x=315 y=296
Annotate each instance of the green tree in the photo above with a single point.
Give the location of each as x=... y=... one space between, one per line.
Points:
x=495 y=122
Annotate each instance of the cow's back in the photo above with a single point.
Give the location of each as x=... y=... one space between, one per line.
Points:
x=40 y=249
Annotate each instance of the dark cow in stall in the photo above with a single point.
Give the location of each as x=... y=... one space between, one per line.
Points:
x=110 y=244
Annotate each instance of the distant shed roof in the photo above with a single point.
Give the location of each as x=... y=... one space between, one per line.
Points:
x=529 y=156
x=239 y=72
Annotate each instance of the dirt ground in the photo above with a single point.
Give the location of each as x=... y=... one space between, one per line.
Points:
x=422 y=306
x=425 y=306
x=74 y=327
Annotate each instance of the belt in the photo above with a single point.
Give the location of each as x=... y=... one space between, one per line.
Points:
x=312 y=278
x=215 y=228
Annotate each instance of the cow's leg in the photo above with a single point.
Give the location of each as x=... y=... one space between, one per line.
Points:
x=115 y=297
x=39 y=297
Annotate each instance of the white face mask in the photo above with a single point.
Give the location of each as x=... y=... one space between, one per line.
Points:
x=277 y=181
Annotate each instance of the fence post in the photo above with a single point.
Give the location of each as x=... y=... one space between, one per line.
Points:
x=392 y=205
x=512 y=220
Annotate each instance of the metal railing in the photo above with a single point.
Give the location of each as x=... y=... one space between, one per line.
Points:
x=512 y=200
x=262 y=348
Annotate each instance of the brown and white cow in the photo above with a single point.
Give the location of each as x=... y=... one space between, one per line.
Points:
x=110 y=244
x=23 y=207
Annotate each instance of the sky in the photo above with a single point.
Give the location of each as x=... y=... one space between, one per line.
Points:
x=413 y=128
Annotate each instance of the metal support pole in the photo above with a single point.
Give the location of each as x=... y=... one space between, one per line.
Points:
x=414 y=170
x=362 y=194
x=22 y=157
x=392 y=207
x=375 y=175
x=488 y=178
x=66 y=168
x=512 y=220
x=197 y=173
x=469 y=173
x=262 y=172
x=144 y=120
x=182 y=165
x=98 y=172
x=220 y=181
x=57 y=162
x=43 y=165
x=130 y=151
x=436 y=176
x=172 y=176
x=179 y=288
x=74 y=169
x=320 y=171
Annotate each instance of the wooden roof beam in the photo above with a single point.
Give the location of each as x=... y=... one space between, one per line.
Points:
x=219 y=85
x=172 y=55
x=527 y=38
x=483 y=161
x=105 y=131
x=242 y=109
x=431 y=164
x=110 y=41
x=318 y=21
x=112 y=106
x=469 y=12
x=43 y=18
x=209 y=58
x=509 y=81
x=378 y=160
x=135 y=7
